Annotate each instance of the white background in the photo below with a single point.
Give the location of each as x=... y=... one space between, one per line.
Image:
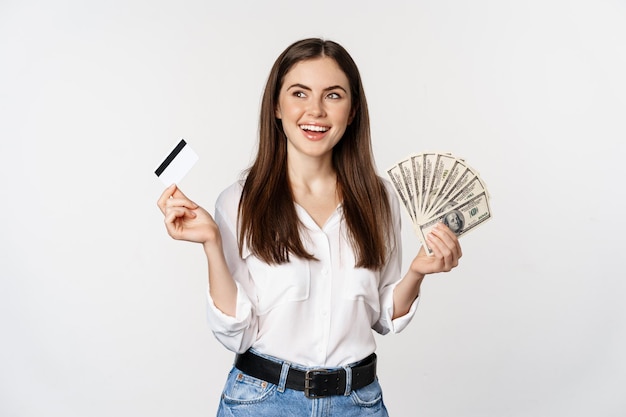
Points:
x=102 y=314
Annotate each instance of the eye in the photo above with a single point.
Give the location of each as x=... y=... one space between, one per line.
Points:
x=333 y=96
x=299 y=94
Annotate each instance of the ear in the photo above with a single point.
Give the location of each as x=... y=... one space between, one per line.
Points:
x=277 y=113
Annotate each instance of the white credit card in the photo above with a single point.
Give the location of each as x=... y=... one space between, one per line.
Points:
x=177 y=164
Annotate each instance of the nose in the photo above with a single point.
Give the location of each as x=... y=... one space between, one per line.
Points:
x=316 y=108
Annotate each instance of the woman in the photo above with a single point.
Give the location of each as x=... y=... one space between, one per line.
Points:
x=304 y=254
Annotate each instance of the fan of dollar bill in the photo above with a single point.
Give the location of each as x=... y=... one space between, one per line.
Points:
x=439 y=187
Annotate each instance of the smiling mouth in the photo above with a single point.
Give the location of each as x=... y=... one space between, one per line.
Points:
x=314 y=128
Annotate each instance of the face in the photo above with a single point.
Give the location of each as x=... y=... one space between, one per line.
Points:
x=453 y=222
x=314 y=105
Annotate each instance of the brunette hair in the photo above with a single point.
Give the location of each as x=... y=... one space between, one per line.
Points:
x=269 y=224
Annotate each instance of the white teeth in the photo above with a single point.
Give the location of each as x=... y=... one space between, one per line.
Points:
x=314 y=128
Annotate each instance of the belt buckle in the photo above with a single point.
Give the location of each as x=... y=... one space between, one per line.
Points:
x=308 y=377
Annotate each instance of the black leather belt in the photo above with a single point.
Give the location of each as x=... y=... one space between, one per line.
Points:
x=315 y=383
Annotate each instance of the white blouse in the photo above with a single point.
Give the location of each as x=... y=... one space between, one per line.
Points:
x=310 y=312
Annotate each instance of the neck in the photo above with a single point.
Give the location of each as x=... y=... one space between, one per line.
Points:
x=309 y=171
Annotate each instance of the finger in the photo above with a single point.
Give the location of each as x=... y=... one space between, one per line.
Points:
x=173 y=196
x=436 y=246
x=444 y=255
x=449 y=238
x=181 y=202
x=175 y=213
x=442 y=242
x=444 y=232
x=179 y=194
x=167 y=193
x=457 y=249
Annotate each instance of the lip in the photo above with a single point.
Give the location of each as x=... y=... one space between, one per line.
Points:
x=314 y=135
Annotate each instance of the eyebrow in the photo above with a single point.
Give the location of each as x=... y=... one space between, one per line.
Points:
x=304 y=87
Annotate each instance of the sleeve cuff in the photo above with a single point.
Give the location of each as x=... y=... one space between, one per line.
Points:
x=399 y=323
x=227 y=325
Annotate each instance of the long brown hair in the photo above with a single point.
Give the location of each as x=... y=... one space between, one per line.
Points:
x=269 y=224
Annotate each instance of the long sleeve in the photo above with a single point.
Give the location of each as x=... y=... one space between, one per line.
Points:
x=235 y=333
x=390 y=277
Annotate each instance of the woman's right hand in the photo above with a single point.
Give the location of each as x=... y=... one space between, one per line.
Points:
x=185 y=220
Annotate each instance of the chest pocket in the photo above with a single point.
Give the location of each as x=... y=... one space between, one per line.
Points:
x=362 y=285
x=279 y=284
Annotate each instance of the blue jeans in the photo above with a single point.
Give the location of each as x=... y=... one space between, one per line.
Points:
x=246 y=396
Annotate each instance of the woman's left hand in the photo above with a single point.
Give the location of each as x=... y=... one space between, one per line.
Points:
x=446 y=252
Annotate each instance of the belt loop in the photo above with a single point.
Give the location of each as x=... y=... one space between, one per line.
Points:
x=348 y=380
x=283 y=376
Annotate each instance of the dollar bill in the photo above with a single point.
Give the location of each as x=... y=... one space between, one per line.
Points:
x=441 y=169
x=409 y=185
x=427 y=172
x=440 y=187
x=458 y=168
x=417 y=165
x=395 y=174
x=462 y=194
x=461 y=219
